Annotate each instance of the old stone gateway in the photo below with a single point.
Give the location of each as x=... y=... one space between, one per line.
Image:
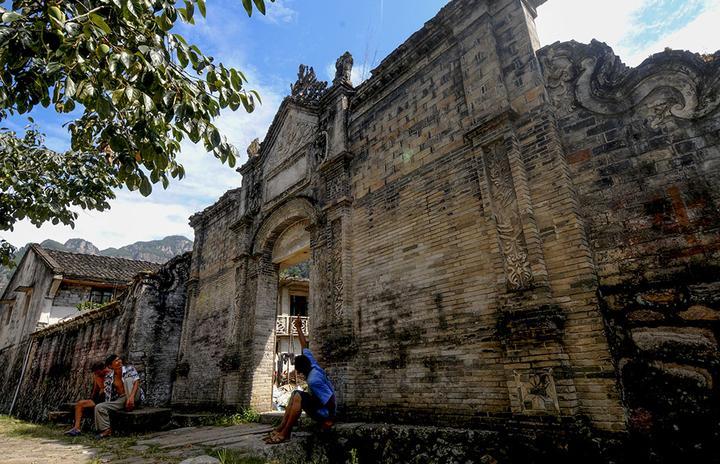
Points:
x=498 y=235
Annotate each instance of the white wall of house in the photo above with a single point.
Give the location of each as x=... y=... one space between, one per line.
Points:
x=19 y=317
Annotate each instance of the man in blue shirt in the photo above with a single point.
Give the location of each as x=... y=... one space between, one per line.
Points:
x=319 y=403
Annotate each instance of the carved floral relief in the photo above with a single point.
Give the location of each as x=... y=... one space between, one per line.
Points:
x=536 y=391
x=336 y=268
x=507 y=218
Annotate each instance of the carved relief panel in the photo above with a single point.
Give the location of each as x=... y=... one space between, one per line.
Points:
x=336 y=268
x=537 y=392
x=503 y=201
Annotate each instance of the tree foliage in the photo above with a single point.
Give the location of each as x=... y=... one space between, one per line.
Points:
x=138 y=88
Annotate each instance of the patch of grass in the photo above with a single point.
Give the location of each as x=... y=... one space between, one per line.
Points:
x=231 y=456
x=245 y=416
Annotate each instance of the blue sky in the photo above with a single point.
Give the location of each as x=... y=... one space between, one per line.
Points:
x=315 y=32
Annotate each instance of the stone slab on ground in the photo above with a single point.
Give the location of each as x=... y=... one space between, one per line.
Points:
x=204 y=459
x=204 y=436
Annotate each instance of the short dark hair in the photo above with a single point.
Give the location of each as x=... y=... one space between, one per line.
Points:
x=110 y=359
x=302 y=364
x=97 y=366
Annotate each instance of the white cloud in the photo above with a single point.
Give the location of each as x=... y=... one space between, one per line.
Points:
x=616 y=23
x=279 y=12
x=130 y=220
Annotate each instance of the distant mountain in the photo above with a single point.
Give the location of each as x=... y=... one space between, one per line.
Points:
x=155 y=251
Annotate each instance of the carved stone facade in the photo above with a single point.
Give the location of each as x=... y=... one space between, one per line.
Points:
x=494 y=235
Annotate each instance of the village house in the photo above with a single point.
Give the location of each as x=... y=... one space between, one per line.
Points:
x=50 y=286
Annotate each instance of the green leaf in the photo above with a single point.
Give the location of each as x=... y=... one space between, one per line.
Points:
x=117 y=95
x=147 y=102
x=100 y=23
x=260 y=5
x=164 y=22
x=189 y=10
x=214 y=137
x=11 y=16
x=69 y=87
x=201 y=7
x=126 y=59
x=247 y=4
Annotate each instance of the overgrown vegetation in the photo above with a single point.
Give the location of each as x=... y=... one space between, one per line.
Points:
x=232 y=456
x=88 y=305
x=246 y=416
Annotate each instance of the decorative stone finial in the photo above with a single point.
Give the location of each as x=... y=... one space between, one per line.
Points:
x=343 y=69
x=254 y=148
x=307 y=89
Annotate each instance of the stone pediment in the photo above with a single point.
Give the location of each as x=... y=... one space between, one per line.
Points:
x=295 y=128
x=283 y=158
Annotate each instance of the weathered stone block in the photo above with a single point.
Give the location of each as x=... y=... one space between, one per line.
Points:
x=140 y=420
x=700 y=313
x=692 y=344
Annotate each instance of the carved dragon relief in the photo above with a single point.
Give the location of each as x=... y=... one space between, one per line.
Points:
x=669 y=84
x=507 y=217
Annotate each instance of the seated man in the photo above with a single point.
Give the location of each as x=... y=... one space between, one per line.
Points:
x=122 y=390
x=319 y=403
x=97 y=396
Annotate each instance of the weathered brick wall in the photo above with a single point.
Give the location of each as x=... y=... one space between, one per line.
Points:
x=143 y=327
x=643 y=146
x=429 y=276
x=451 y=278
x=158 y=304
x=211 y=295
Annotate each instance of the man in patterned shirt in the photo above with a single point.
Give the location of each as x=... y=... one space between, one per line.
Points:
x=122 y=391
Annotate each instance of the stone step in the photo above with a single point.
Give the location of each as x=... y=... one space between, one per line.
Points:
x=182 y=419
x=275 y=417
x=271 y=417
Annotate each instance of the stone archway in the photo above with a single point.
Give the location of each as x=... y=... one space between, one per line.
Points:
x=284 y=237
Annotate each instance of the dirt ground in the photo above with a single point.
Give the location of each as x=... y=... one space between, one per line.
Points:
x=27 y=443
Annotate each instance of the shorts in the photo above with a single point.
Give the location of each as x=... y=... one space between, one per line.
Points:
x=312 y=407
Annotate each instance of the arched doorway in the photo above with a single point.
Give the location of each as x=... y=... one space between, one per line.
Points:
x=282 y=245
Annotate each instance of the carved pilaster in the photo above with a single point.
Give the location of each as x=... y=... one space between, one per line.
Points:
x=336 y=268
x=504 y=206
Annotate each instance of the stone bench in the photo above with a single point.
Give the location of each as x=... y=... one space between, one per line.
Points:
x=139 y=420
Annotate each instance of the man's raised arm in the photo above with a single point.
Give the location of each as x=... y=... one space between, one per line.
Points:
x=301 y=335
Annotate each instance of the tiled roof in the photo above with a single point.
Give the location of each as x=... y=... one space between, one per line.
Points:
x=94 y=267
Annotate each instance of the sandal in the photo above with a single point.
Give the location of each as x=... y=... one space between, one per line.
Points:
x=104 y=434
x=73 y=432
x=276 y=439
